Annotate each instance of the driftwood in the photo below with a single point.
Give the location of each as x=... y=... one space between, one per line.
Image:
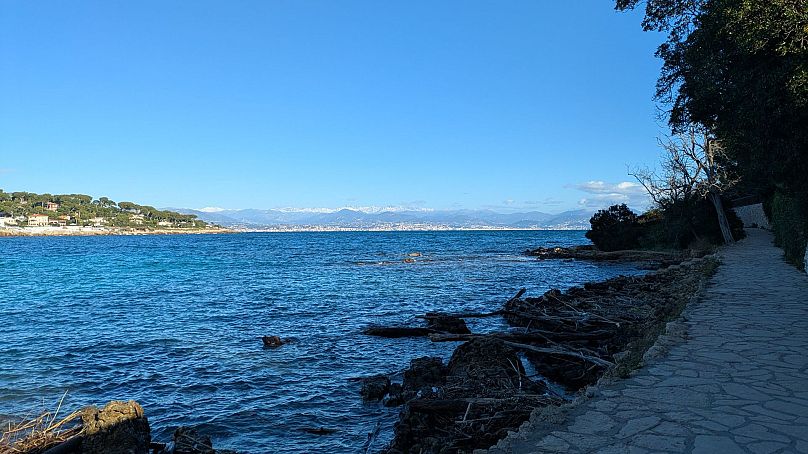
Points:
x=529 y=336
x=560 y=352
x=518 y=294
x=462 y=404
x=465 y=314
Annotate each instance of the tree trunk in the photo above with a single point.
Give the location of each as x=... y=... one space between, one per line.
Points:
x=722 y=217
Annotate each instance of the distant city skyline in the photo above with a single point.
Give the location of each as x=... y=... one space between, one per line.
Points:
x=524 y=106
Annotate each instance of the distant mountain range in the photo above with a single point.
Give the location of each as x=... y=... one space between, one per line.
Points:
x=394 y=219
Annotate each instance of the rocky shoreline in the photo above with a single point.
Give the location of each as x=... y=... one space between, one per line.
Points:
x=568 y=340
x=117 y=428
x=644 y=259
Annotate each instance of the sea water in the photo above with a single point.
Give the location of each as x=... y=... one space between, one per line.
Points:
x=174 y=322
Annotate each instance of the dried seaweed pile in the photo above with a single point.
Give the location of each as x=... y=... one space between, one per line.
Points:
x=38 y=433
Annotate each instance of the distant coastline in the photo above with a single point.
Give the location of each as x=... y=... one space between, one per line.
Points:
x=400 y=228
x=105 y=231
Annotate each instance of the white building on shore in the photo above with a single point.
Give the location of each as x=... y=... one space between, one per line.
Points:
x=37 y=220
x=7 y=219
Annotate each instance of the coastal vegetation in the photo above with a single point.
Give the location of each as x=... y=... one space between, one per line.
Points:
x=677 y=225
x=84 y=210
x=738 y=70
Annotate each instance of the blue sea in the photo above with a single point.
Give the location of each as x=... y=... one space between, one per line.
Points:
x=175 y=321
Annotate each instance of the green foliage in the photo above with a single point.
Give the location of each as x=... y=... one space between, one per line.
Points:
x=614 y=229
x=740 y=68
x=677 y=225
x=789 y=215
x=80 y=209
x=684 y=223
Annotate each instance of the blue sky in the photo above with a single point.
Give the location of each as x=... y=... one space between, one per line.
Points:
x=303 y=103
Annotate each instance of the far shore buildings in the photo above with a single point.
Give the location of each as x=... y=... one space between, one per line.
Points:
x=6 y=219
x=38 y=220
x=51 y=206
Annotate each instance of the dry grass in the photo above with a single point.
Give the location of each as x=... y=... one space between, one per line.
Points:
x=33 y=435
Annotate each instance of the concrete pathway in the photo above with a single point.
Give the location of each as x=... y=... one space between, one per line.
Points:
x=738 y=383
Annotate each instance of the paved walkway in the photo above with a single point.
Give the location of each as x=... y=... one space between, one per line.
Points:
x=738 y=383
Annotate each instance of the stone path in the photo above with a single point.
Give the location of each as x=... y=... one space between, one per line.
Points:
x=738 y=383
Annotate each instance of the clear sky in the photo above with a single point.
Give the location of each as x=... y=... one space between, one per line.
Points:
x=531 y=104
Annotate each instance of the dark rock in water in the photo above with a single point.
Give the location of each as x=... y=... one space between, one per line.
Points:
x=319 y=430
x=375 y=388
x=446 y=323
x=396 y=331
x=118 y=428
x=272 y=341
x=424 y=373
x=188 y=441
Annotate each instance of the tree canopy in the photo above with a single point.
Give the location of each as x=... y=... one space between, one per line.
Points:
x=740 y=68
x=82 y=209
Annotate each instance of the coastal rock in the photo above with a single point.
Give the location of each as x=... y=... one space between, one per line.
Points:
x=375 y=388
x=396 y=331
x=395 y=396
x=446 y=323
x=424 y=373
x=272 y=341
x=118 y=428
x=188 y=440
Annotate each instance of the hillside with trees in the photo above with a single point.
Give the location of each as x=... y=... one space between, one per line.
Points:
x=84 y=210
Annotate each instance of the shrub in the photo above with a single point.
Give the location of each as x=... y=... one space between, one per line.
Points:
x=789 y=219
x=614 y=229
x=684 y=222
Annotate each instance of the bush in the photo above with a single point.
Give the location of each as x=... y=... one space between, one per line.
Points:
x=676 y=225
x=614 y=229
x=679 y=224
x=789 y=219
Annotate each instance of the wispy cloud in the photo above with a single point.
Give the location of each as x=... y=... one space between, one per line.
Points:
x=547 y=201
x=602 y=194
